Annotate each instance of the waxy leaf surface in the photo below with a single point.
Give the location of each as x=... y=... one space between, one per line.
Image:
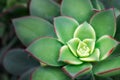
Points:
x=46 y=9
x=107 y=68
x=106 y=45
x=81 y=10
x=104 y=23
x=67 y=56
x=77 y=70
x=30 y=28
x=85 y=31
x=46 y=50
x=65 y=27
x=48 y=73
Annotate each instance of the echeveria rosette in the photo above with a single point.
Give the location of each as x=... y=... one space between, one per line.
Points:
x=82 y=38
x=76 y=46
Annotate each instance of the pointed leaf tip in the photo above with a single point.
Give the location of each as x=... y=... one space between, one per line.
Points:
x=30 y=28
x=81 y=10
x=44 y=47
x=62 y=24
x=85 y=31
x=104 y=19
x=77 y=70
x=106 y=45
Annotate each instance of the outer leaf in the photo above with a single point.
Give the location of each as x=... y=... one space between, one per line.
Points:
x=106 y=45
x=48 y=73
x=46 y=50
x=73 y=45
x=17 y=62
x=77 y=70
x=46 y=9
x=65 y=27
x=84 y=31
x=67 y=56
x=107 y=68
x=30 y=28
x=104 y=23
x=81 y=10
x=93 y=57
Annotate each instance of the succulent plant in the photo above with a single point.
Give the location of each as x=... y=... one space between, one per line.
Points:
x=76 y=43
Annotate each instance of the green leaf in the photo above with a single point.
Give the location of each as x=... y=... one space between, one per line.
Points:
x=81 y=10
x=62 y=24
x=17 y=61
x=104 y=23
x=46 y=50
x=90 y=43
x=106 y=45
x=46 y=9
x=108 y=67
x=77 y=70
x=93 y=57
x=67 y=56
x=85 y=31
x=48 y=73
x=31 y=28
x=73 y=45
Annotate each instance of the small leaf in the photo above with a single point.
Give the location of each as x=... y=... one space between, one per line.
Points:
x=77 y=70
x=84 y=31
x=46 y=50
x=106 y=45
x=62 y=24
x=104 y=23
x=90 y=43
x=81 y=10
x=93 y=57
x=67 y=56
x=30 y=28
x=73 y=45
x=48 y=73
x=107 y=68
x=17 y=61
x=46 y=9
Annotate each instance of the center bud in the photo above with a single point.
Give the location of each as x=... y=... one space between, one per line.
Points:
x=83 y=50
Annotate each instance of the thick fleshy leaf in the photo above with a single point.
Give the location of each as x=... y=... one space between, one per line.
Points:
x=67 y=56
x=81 y=10
x=107 y=68
x=46 y=9
x=17 y=62
x=30 y=28
x=48 y=73
x=84 y=31
x=106 y=45
x=65 y=28
x=77 y=70
x=104 y=23
x=73 y=45
x=93 y=57
x=46 y=50
x=90 y=43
